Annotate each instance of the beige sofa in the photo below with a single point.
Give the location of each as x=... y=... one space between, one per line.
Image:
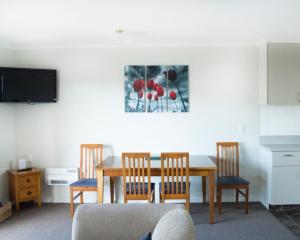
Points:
x=131 y=222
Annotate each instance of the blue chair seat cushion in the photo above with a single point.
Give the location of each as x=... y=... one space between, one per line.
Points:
x=85 y=182
x=170 y=187
x=231 y=180
x=136 y=187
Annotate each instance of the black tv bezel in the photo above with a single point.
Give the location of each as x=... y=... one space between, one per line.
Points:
x=54 y=100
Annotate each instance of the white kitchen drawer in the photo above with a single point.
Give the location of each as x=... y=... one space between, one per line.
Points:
x=286 y=159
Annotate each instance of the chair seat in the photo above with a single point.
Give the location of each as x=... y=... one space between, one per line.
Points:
x=231 y=180
x=85 y=182
x=136 y=188
x=170 y=187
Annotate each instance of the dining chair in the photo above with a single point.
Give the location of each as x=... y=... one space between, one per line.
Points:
x=175 y=183
x=90 y=156
x=136 y=177
x=228 y=173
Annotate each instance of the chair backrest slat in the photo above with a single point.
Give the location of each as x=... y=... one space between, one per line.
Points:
x=175 y=173
x=134 y=173
x=90 y=156
x=227 y=159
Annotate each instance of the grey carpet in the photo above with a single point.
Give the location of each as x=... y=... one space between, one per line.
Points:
x=52 y=221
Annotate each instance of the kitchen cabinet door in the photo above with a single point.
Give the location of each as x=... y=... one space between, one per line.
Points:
x=283 y=74
x=285 y=185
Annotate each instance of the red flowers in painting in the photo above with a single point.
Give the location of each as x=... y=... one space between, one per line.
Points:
x=141 y=93
x=160 y=91
x=138 y=85
x=156 y=98
x=173 y=95
x=150 y=84
x=149 y=96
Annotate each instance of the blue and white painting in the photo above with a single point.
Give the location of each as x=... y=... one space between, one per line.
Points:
x=157 y=88
x=135 y=86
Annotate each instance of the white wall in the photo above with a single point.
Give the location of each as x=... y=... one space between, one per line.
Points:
x=90 y=109
x=7 y=133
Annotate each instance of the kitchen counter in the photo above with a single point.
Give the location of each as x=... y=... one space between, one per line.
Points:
x=282 y=147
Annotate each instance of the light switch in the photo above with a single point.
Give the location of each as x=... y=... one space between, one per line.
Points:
x=241 y=128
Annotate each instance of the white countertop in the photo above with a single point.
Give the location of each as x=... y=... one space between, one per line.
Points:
x=282 y=147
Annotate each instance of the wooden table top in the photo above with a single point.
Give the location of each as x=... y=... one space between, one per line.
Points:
x=197 y=162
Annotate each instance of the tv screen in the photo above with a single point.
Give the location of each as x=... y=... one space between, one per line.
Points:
x=28 y=85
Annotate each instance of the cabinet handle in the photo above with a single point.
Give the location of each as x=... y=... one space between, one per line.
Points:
x=288 y=155
x=28 y=180
x=29 y=193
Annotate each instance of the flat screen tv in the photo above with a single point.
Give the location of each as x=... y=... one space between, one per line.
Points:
x=28 y=85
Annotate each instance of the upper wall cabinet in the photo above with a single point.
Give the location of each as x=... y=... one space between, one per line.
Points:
x=283 y=73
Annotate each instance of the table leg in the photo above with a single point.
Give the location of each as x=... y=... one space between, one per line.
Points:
x=211 y=176
x=100 y=185
x=112 y=189
x=204 y=189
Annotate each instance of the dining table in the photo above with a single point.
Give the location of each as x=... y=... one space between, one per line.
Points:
x=199 y=165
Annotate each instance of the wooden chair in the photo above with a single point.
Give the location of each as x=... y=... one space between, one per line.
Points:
x=136 y=177
x=228 y=173
x=175 y=183
x=90 y=156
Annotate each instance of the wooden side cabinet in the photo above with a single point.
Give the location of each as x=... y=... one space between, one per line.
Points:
x=25 y=186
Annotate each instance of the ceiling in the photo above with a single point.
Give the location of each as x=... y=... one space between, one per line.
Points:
x=90 y=23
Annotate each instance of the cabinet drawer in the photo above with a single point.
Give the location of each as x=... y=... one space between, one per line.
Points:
x=28 y=193
x=29 y=181
x=286 y=158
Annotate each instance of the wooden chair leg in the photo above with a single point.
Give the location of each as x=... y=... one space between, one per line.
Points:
x=247 y=200
x=150 y=198
x=153 y=196
x=219 y=190
x=162 y=200
x=125 y=198
x=81 y=197
x=237 y=196
x=71 y=203
x=187 y=204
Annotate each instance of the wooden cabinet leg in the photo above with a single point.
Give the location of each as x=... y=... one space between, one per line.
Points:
x=39 y=202
x=17 y=206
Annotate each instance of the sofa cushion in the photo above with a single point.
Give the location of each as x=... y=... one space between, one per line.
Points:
x=118 y=221
x=175 y=225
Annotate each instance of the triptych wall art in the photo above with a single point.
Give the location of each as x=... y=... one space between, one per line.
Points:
x=158 y=88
